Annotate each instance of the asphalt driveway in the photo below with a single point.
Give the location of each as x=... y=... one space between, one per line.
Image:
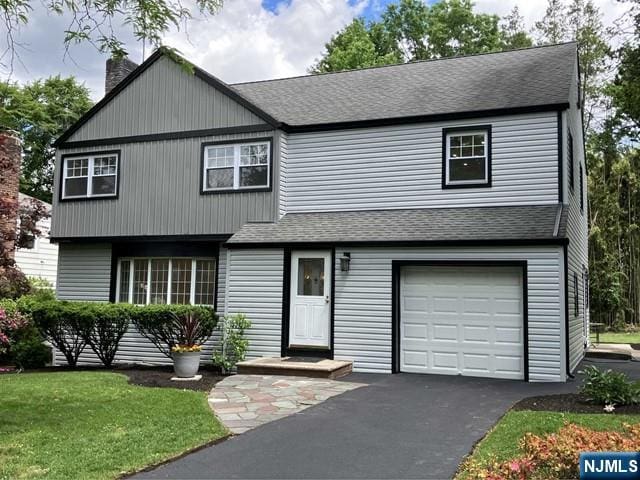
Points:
x=399 y=426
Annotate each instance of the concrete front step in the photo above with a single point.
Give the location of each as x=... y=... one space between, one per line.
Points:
x=296 y=366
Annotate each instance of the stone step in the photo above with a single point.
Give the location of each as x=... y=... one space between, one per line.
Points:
x=296 y=366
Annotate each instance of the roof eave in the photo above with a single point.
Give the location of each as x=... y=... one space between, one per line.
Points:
x=438 y=117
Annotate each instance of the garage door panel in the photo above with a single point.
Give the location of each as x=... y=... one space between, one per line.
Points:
x=480 y=334
x=462 y=320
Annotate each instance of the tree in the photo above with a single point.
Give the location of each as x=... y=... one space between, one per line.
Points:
x=357 y=46
x=411 y=30
x=586 y=28
x=92 y=21
x=40 y=112
x=552 y=28
x=513 y=31
x=454 y=29
x=580 y=21
x=18 y=227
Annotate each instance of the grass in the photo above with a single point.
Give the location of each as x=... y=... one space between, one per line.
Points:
x=95 y=425
x=502 y=441
x=617 y=337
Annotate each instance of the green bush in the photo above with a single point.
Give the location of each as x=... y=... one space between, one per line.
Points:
x=102 y=326
x=233 y=346
x=57 y=322
x=606 y=387
x=29 y=351
x=167 y=326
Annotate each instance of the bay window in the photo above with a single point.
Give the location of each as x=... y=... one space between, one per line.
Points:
x=236 y=166
x=145 y=281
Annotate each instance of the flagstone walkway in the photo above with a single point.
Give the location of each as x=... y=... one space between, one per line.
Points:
x=243 y=402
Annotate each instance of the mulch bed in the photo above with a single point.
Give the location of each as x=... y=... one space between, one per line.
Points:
x=569 y=402
x=145 y=376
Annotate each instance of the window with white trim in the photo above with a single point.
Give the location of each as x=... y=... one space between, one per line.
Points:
x=239 y=166
x=90 y=176
x=164 y=280
x=467 y=161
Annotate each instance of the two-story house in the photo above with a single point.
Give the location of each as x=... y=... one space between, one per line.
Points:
x=427 y=217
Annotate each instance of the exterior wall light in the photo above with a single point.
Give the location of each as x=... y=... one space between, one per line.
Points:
x=345 y=260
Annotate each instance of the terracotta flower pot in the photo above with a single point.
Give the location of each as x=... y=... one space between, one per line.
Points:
x=186 y=364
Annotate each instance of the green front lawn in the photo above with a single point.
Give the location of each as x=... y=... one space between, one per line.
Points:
x=95 y=425
x=617 y=337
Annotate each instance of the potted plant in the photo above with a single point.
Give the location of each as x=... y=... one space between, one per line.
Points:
x=186 y=360
x=179 y=331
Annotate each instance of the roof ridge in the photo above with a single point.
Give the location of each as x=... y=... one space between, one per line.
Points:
x=376 y=67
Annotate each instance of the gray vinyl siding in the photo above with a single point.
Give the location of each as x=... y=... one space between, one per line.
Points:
x=362 y=311
x=577 y=231
x=84 y=272
x=282 y=199
x=165 y=98
x=401 y=166
x=255 y=289
x=159 y=194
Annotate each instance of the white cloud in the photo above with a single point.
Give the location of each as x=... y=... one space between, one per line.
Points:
x=241 y=43
x=246 y=42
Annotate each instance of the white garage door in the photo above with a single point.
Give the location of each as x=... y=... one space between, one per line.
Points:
x=462 y=320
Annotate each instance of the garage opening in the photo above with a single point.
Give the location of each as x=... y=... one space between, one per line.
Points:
x=463 y=320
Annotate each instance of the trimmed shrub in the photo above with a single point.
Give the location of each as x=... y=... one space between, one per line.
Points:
x=168 y=326
x=12 y=322
x=555 y=455
x=102 y=326
x=606 y=387
x=57 y=322
x=233 y=346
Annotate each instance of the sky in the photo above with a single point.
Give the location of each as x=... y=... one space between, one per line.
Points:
x=247 y=40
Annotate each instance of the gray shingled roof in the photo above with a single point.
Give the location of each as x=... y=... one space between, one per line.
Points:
x=519 y=78
x=436 y=224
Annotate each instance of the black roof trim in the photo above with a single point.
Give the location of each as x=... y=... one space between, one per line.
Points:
x=405 y=243
x=222 y=237
x=158 y=137
x=198 y=72
x=552 y=107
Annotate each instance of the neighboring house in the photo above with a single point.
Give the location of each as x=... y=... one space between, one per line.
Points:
x=427 y=217
x=40 y=259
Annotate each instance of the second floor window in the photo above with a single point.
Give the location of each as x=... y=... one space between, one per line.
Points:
x=467 y=158
x=90 y=176
x=239 y=166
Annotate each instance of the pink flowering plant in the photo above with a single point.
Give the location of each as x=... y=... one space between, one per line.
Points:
x=11 y=322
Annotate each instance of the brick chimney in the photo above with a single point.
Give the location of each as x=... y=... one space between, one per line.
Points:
x=117 y=70
x=10 y=159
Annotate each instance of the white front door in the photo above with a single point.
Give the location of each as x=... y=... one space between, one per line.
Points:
x=309 y=318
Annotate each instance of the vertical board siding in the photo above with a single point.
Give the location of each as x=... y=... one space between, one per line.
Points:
x=255 y=289
x=159 y=194
x=577 y=231
x=84 y=274
x=165 y=98
x=363 y=304
x=401 y=166
x=42 y=260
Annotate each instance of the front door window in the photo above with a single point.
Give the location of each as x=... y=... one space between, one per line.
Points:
x=311 y=277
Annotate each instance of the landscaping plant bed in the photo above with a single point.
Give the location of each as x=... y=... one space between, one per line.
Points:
x=569 y=402
x=145 y=376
